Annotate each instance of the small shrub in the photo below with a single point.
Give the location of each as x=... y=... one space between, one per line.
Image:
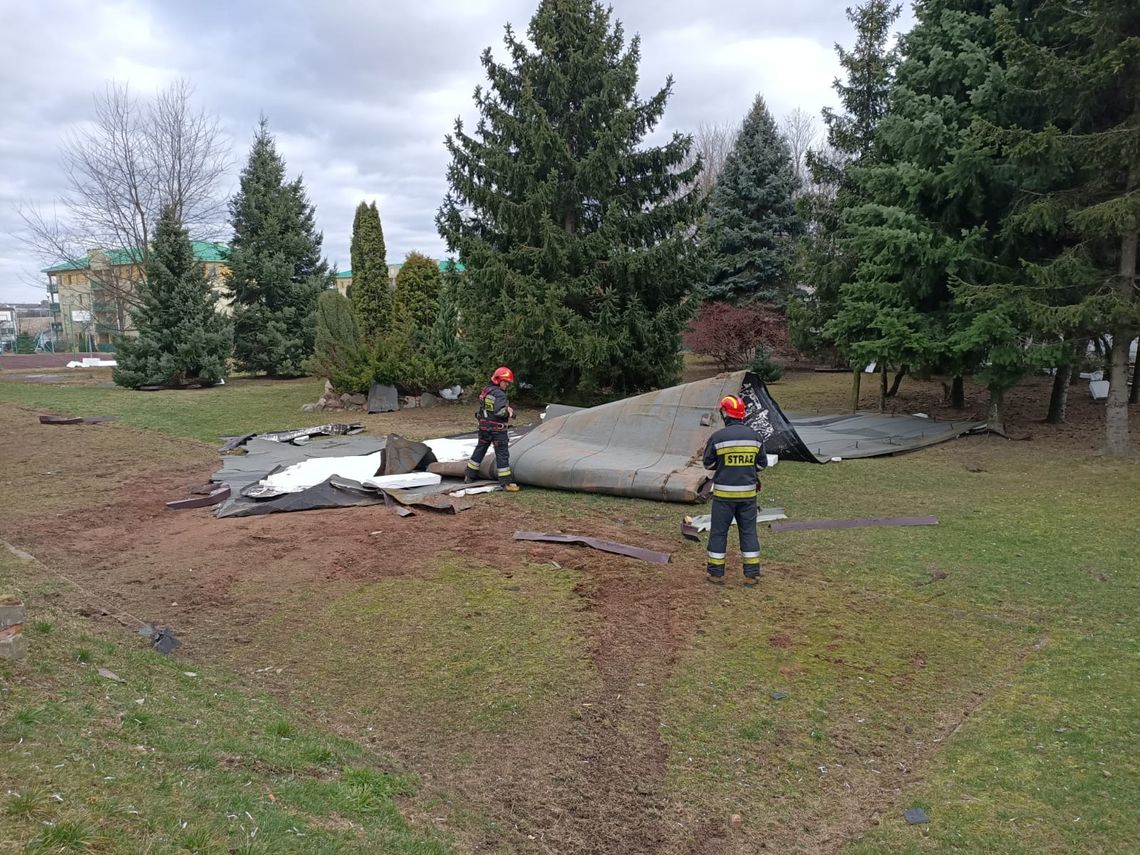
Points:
x=766 y=368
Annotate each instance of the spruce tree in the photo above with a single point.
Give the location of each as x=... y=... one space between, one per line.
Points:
x=577 y=238
x=868 y=75
x=339 y=355
x=181 y=337
x=417 y=289
x=752 y=222
x=934 y=205
x=276 y=271
x=1079 y=66
x=371 y=292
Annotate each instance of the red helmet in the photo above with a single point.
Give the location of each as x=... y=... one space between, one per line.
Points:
x=732 y=407
x=502 y=374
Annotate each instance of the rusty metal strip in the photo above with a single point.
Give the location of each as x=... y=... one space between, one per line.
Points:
x=210 y=499
x=596 y=543
x=807 y=525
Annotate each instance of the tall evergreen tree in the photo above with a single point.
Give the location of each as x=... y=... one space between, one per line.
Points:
x=1079 y=64
x=934 y=207
x=868 y=75
x=371 y=292
x=276 y=269
x=577 y=238
x=752 y=222
x=417 y=289
x=181 y=337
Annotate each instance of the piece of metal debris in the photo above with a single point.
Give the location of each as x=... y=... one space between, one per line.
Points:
x=165 y=642
x=807 y=525
x=215 y=497
x=77 y=420
x=915 y=816
x=777 y=696
x=401 y=511
x=110 y=675
x=596 y=543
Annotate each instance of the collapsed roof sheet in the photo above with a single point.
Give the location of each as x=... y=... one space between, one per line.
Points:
x=875 y=434
x=649 y=446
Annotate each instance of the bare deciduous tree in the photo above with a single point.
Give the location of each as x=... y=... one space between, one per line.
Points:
x=136 y=156
x=712 y=142
x=799 y=132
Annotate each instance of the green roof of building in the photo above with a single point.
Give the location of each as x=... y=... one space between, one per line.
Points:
x=203 y=251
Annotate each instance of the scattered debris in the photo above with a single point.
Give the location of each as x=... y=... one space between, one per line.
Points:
x=334 y=429
x=692 y=526
x=777 y=696
x=93 y=362
x=736 y=820
x=596 y=543
x=915 y=816
x=110 y=675
x=13 y=645
x=869 y=522
x=215 y=497
x=476 y=490
x=165 y=642
x=401 y=511
x=934 y=575
x=383 y=399
x=77 y=420
x=1098 y=389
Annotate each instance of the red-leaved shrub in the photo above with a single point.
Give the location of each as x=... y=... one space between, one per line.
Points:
x=730 y=334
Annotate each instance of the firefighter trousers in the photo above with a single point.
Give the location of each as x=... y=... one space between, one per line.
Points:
x=497 y=437
x=744 y=511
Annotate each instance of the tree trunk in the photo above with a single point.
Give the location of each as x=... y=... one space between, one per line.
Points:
x=1116 y=439
x=1134 y=395
x=898 y=382
x=856 y=381
x=883 y=388
x=958 y=393
x=1059 y=398
x=996 y=421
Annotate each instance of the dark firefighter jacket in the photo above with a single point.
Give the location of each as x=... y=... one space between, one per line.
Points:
x=493 y=407
x=736 y=452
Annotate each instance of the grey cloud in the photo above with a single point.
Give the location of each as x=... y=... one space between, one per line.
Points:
x=362 y=93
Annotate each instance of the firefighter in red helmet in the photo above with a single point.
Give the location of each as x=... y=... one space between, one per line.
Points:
x=494 y=412
x=736 y=453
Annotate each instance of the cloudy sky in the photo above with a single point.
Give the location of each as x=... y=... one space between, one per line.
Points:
x=360 y=93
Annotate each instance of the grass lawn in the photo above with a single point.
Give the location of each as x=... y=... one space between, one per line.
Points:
x=168 y=759
x=985 y=669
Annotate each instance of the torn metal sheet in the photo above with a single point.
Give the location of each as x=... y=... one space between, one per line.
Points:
x=401 y=456
x=869 y=522
x=319 y=430
x=647 y=446
x=329 y=494
x=383 y=399
x=860 y=435
x=435 y=498
x=207 y=500
x=77 y=420
x=596 y=543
